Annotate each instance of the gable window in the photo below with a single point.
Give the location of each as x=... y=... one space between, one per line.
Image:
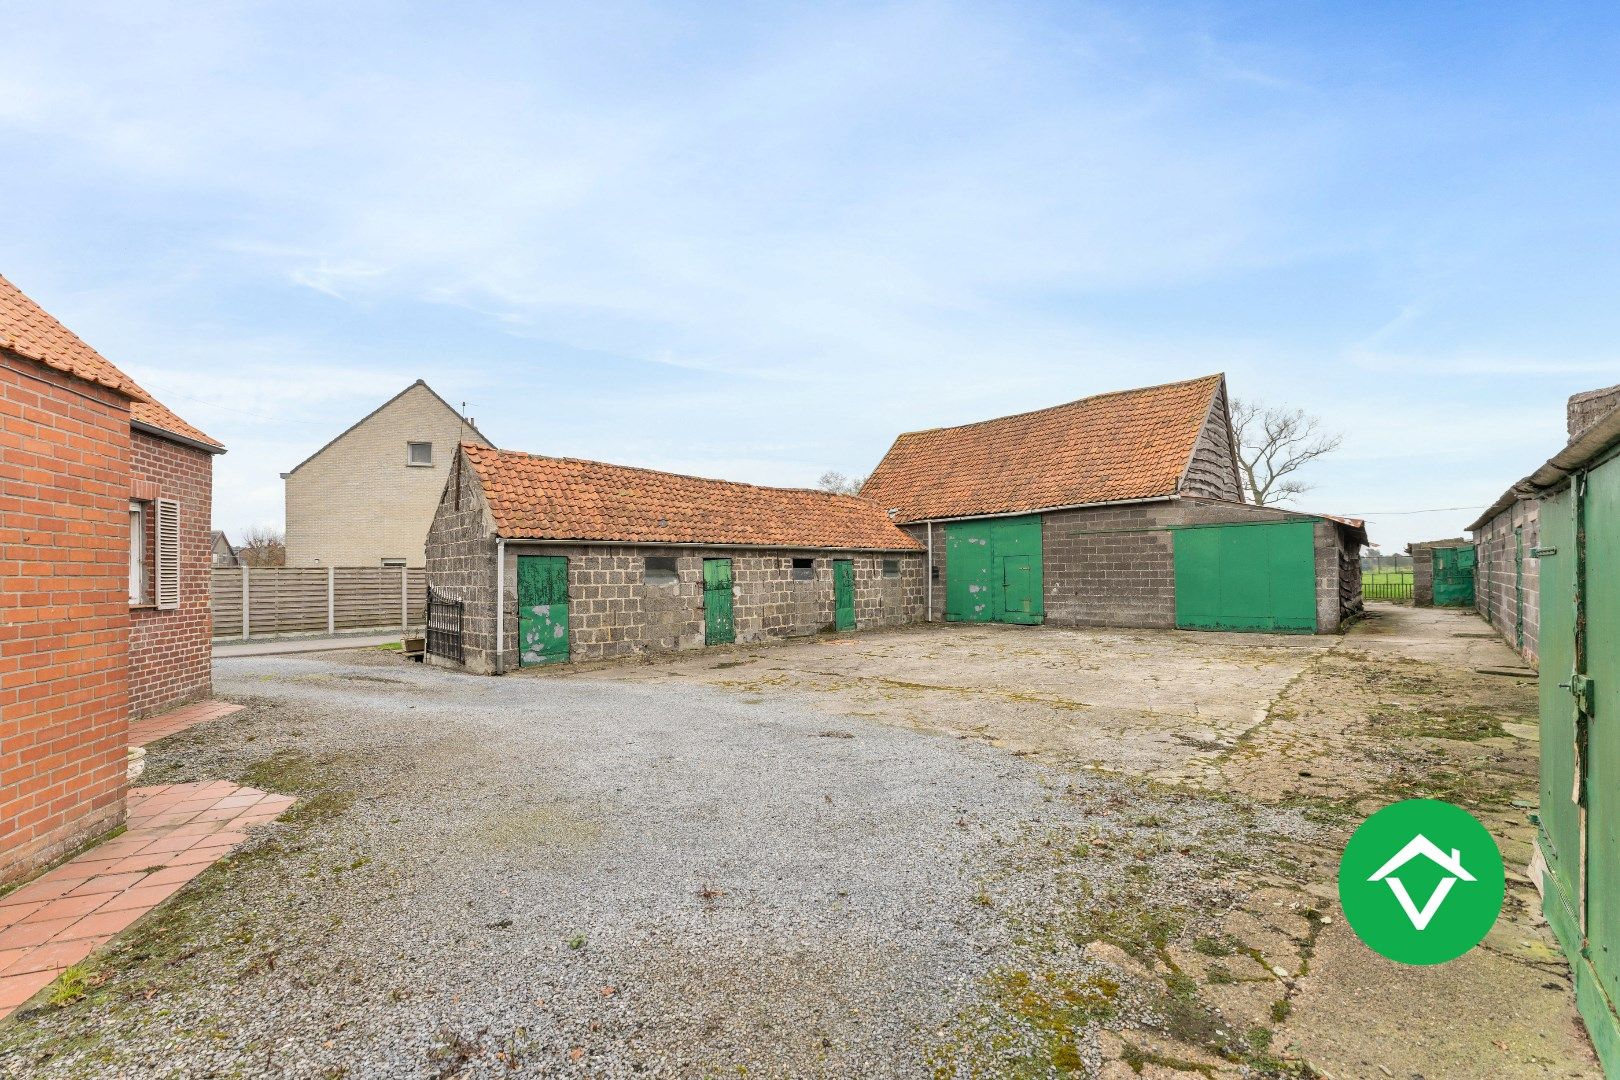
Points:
x=419 y=453
x=891 y=567
x=804 y=569
x=393 y=564
x=659 y=570
x=137 y=553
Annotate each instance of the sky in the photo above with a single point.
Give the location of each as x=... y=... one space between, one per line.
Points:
x=757 y=241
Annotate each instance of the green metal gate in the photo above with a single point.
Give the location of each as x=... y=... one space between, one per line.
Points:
x=1453 y=576
x=719 y=627
x=843 y=594
x=1259 y=576
x=993 y=570
x=1579 y=820
x=542 y=588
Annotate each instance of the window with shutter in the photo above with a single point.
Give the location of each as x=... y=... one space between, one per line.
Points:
x=168 y=553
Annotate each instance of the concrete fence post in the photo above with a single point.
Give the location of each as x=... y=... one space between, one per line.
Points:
x=404 y=601
x=244 y=601
x=331 y=600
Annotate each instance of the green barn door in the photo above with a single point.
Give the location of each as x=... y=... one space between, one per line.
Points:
x=1247 y=577
x=843 y=594
x=1453 y=577
x=1560 y=813
x=993 y=570
x=542 y=586
x=1601 y=533
x=1019 y=598
x=718 y=625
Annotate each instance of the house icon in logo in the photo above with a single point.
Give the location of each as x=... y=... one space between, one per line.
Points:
x=1451 y=864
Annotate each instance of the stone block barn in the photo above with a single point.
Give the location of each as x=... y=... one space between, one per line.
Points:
x=1123 y=510
x=105 y=498
x=556 y=559
x=1120 y=510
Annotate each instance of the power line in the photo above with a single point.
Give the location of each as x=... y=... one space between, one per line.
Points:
x=1432 y=510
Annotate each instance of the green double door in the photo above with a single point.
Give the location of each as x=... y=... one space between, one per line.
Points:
x=542 y=588
x=1453 y=576
x=1580 y=740
x=719 y=624
x=1258 y=577
x=993 y=571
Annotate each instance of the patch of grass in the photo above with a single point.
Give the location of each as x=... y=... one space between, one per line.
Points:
x=1039 y=1021
x=1466 y=723
x=1280 y=1010
x=73 y=984
x=1139 y=1059
x=391 y=646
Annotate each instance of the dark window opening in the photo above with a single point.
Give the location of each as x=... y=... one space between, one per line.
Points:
x=804 y=569
x=933 y=571
x=891 y=567
x=660 y=570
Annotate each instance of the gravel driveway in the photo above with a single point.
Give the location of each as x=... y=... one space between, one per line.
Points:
x=587 y=877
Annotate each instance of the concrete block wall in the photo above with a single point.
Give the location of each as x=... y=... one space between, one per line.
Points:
x=170 y=660
x=1114 y=566
x=1495 y=586
x=614 y=612
x=64 y=612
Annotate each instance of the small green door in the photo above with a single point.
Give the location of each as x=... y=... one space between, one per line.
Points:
x=843 y=594
x=718 y=626
x=1453 y=577
x=542 y=585
x=1019 y=598
x=1247 y=577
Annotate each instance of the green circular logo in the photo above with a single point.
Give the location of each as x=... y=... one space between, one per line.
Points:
x=1421 y=882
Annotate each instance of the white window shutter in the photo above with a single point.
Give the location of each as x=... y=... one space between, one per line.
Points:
x=168 y=553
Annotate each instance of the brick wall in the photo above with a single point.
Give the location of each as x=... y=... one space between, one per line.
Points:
x=613 y=612
x=64 y=621
x=169 y=650
x=357 y=502
x=1114 y=566
x=1497 y=589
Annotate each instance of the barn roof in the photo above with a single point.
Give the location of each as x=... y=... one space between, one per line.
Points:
x=549 y=498
x=30 y=331
x=1125 y=445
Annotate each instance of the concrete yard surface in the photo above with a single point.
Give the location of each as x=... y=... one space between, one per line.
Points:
x=940 y=851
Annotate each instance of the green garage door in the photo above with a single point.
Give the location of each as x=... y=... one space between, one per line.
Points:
x=1247 y=577
x=993 y=570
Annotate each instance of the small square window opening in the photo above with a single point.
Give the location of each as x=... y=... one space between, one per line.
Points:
x=660 y=570
x=891 y=567
x=804 y=569
x=419 y=453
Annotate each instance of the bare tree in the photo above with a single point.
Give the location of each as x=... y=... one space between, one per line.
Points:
x=839 y=484
x=1274 y=442
x=262 y=546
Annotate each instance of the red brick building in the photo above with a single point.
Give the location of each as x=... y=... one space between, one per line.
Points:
x=104 y=509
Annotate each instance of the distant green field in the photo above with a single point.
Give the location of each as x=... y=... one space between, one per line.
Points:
x=1386 y=577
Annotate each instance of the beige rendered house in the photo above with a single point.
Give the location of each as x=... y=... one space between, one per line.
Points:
x=367 y=497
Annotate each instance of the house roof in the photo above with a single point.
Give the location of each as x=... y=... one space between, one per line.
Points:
x=1129 y=444
x=334 y=440
x=30 y=331
x=548 y=498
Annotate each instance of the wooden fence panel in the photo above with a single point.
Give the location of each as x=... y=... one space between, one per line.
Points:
x=295 y=600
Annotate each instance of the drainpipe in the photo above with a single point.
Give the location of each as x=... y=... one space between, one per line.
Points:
x=928 y=612
x=500 y=606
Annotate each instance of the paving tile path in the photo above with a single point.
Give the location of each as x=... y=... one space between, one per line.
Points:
x=175 y=831
x=154 y=728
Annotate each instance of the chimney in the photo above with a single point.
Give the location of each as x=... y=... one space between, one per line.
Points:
x=1588 y=408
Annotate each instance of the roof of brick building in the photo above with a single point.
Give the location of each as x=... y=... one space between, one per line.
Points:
x=32 y=332
x=1129 y=444
x=548 y=498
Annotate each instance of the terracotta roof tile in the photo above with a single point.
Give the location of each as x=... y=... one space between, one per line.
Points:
x=547 y=498
x=1130 y=444
x=29 y=330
